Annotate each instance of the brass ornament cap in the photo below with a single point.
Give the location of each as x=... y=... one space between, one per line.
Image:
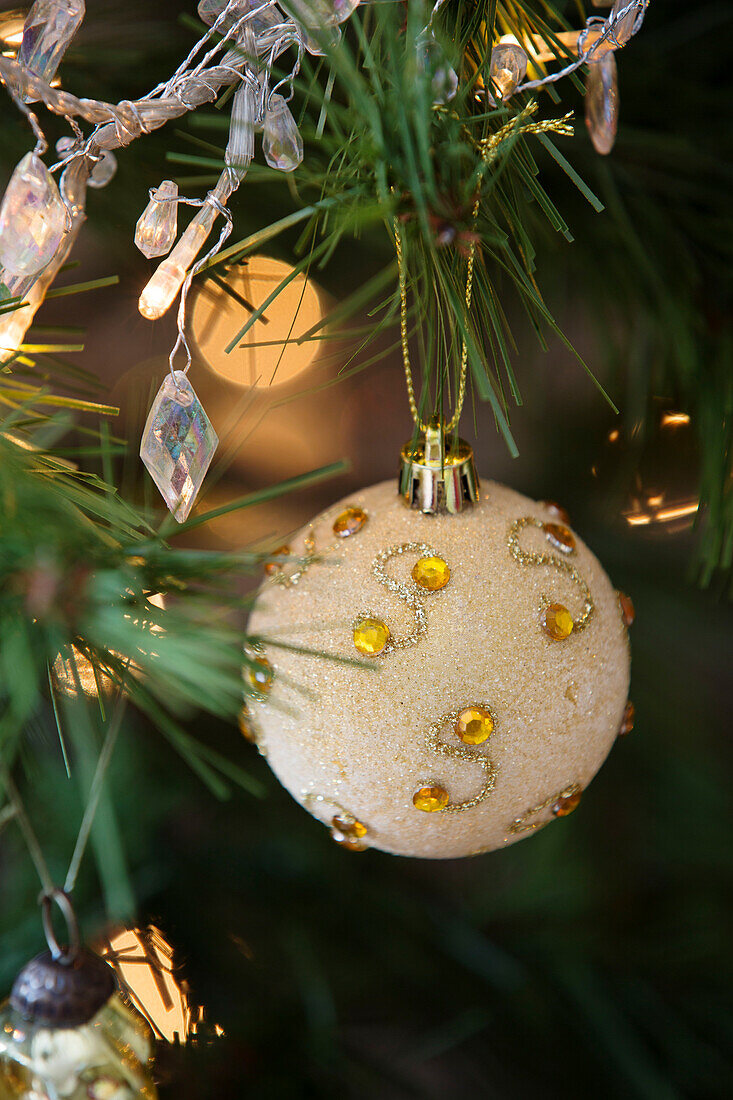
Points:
x=63 y=992
x=533 y=714
x=438 y=474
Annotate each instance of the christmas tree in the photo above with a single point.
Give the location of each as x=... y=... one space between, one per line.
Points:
x=397 y=212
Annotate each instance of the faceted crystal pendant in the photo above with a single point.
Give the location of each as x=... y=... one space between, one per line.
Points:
x=157 y=226
x=178 y=444
x=281 y=142
x=49 y=28
x=431 y=58
x=601 y=103
x=241 y=145
x=33 y=220
x=508 y=68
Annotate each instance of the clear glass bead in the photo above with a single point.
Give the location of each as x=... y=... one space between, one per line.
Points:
x=343 y=9
x=623 y=29
x=508 y=68
x=265 y=19
x=49 y=28
x=103 y=171
x=241 y=145
x=178 y=444
x=105 y=1059
x=314 y=13
x=601 y=103
x=157 y=226
x=319 y=44
x=281 y=142
x=432 y=59
x=33 y=221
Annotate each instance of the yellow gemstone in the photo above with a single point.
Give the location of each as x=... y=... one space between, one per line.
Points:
x=349 y=826
x=430 y=799
x=566 y=804
x=474 y=725
x=275 y=563
x=260 y=674
x=349 y=522
x=557 y=621
x=560 y=536
x=627 y=721
x=628 y=614
x=371 y=637
x=345 y=840
x=556 y=510
x=431 y=573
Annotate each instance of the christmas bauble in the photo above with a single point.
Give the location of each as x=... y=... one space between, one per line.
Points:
x=478 y=676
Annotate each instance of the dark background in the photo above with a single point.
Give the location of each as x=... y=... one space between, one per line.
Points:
x=593 y=958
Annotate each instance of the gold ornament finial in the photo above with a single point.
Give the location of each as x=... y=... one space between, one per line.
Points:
x=438 y=475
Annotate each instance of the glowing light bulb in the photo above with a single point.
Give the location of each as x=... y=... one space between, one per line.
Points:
x=157 y=297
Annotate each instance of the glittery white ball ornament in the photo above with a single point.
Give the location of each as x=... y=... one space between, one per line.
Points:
x=492 y=674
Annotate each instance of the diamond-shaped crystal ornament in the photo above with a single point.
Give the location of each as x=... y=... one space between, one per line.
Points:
x=178 y=444
x=157 y=226
x=33 y=220
x=48 y=29
x=281 y=142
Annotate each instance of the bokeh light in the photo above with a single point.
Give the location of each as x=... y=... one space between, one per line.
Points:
x=269 y=354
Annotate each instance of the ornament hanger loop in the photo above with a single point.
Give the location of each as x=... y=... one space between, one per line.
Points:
x=452 y=424
x=68 y=952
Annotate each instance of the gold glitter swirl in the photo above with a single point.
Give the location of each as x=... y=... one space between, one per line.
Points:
x=407 y=591
x=523 y=823
x=529 y=557
x=289 y=580
x=462 y=752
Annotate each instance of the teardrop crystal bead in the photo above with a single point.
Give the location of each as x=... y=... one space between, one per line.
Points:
x=241 y=146
x=263 y=19
x=508 y=68
x=343 y=9
x=281 y=142
x=432 y=59
x=157 y=226
x=103 y=171
x=33 y=221
x=314 y=13
x=624 y=27
x=601 y=103
x=318 y=41
x=48 y=29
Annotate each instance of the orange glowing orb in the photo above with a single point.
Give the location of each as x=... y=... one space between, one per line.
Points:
x=270 y=352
